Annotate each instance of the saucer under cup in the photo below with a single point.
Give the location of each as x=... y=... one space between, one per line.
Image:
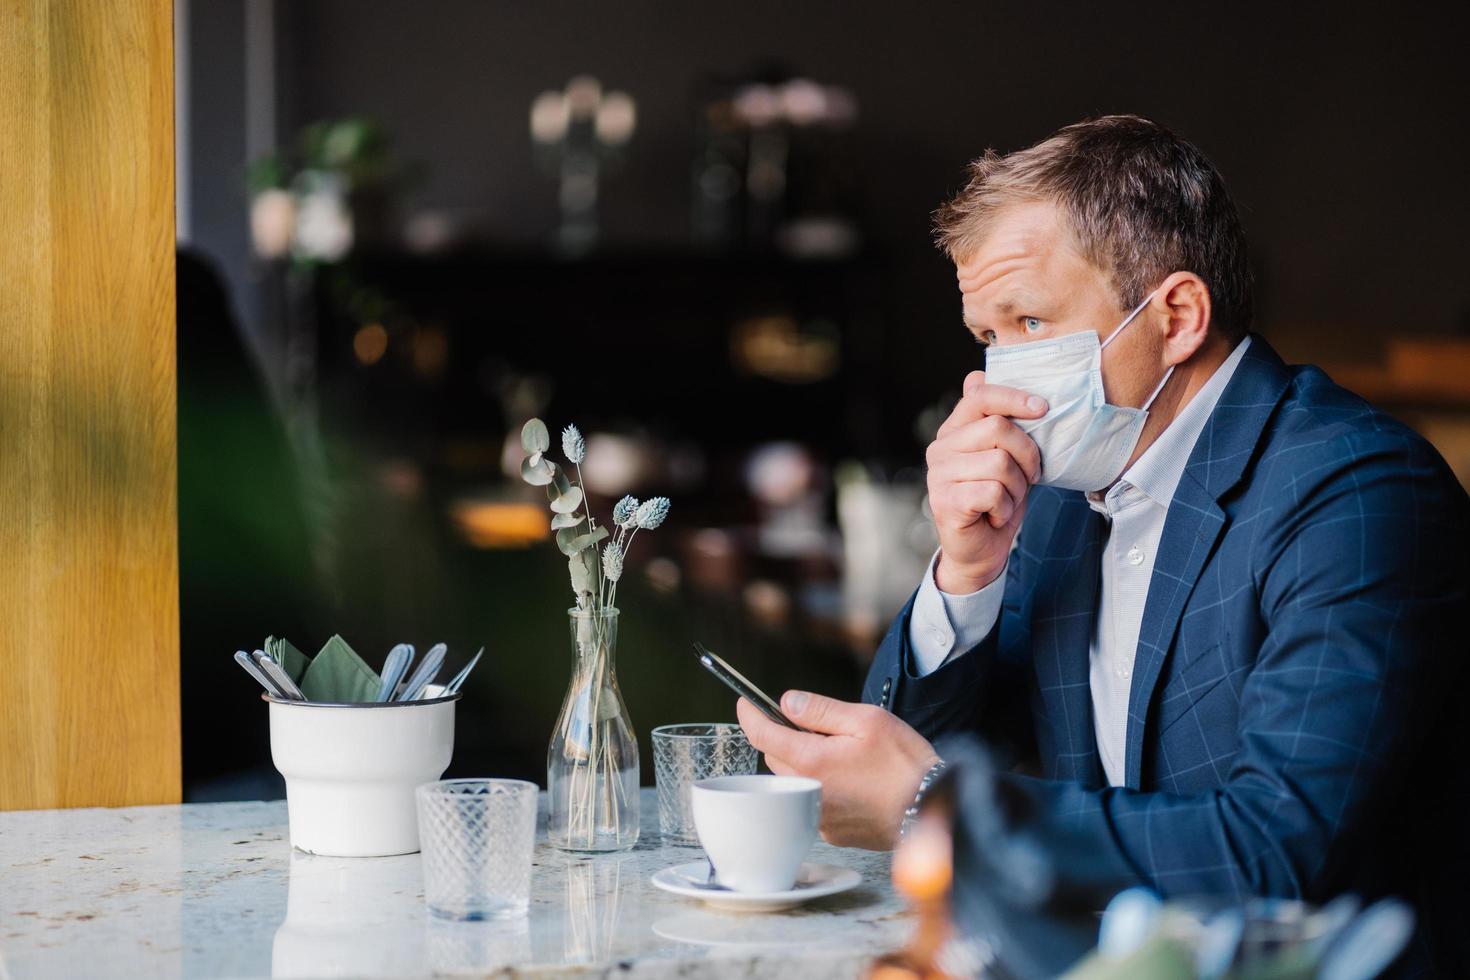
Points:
x=757 y=829
x=813 y=881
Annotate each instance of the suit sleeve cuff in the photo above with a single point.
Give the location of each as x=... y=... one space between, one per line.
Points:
x=942 y=623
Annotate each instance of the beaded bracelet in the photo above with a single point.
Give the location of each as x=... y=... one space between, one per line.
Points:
x=912 y=813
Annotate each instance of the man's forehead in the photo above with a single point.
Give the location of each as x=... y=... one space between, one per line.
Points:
x=1019 y=238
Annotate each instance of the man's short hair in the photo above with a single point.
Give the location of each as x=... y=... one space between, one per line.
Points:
x=1141 y=203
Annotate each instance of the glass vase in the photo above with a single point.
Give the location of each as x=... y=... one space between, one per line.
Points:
x=592 y=762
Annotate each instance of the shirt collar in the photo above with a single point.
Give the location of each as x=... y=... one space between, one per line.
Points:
x=1158 y=471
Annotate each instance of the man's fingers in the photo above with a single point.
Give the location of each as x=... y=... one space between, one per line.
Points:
x=826 y=715
x=1000 y=518
x=1017 y=514
x=990 y=464
x=770 y=739
x=986 y=500
x=989 y=399
x=991 y=432
x=973 y=381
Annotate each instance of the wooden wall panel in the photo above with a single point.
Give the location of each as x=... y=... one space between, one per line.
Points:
x=89 y=659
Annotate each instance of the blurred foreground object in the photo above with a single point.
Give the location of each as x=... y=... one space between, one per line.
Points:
x=1026 y=889
x=1000 y=891
x=1264 y=939
x=923 y=872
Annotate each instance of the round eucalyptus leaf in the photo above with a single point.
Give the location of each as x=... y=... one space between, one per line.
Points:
x=560 y=521
x=534 y=437
x=566 y=539
x=568 y=501
x=538 y=474
x=607 y=706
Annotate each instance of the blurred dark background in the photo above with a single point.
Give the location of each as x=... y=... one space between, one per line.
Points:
x=701 y=232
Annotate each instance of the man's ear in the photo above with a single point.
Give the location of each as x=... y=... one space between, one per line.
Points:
x=1187 y=299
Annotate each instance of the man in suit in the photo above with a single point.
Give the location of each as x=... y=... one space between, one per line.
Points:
x=1208 y=606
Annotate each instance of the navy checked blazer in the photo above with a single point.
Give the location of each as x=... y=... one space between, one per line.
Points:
x=1292 y=728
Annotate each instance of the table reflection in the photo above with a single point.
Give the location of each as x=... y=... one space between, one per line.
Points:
x=476 y=948
x=747 y=932
x=366 y=916
x=600 y=895
x=350 y=917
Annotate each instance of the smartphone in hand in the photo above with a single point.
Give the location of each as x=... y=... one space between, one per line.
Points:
x=744 y=688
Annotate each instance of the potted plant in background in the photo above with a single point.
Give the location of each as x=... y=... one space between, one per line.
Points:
x=592 y=762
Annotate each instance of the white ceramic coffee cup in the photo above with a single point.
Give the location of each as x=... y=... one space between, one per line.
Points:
x=757 y=829
x=351 y=770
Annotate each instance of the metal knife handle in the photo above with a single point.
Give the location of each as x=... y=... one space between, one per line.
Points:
x=278 y=675
x=422 y=677
x=393 y=668
x=458 y=680
x=243 y=659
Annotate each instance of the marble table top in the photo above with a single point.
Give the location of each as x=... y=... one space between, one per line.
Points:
x=215 y=890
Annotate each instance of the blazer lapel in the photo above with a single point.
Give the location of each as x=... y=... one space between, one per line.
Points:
x=1195 y=522
x=1190 y=531
x=1061 y=624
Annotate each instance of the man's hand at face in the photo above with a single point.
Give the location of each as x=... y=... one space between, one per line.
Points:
x=868 y=761
x=981 y=466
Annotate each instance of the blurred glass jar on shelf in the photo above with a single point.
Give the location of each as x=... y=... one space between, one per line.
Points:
x=789 y=487
x=578 y=133
x=888 y=538
x=772 y=166
x=331 y=191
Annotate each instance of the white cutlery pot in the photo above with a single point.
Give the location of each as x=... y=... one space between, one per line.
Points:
x=351 y=770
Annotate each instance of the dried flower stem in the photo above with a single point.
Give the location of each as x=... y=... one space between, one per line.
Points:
x=592 y=746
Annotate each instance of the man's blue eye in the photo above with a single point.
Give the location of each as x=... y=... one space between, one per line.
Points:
x=1032 y=324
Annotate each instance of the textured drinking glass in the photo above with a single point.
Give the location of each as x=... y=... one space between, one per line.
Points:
x=477 y=836
x=683 y=754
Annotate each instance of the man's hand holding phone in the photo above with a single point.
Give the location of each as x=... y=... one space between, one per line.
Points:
x=868 y=761
x=981 y=466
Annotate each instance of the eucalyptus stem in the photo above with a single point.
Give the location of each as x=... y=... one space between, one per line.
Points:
x=592 y=794
x=591 y=521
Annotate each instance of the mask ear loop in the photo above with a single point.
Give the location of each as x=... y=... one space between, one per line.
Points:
x=1167 y=375
x=1119 y=329
x=1127 y=320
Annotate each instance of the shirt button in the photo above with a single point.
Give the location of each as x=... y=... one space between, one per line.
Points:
x=1122 y=673
x=1134 y=556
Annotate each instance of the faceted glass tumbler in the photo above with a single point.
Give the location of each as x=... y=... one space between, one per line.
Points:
x=477 y=836
x=683 y=754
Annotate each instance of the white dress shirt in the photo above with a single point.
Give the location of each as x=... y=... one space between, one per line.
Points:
x=1135 y=507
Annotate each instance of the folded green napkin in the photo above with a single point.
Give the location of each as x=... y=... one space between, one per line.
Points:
x=284 y=652
x=336 y=674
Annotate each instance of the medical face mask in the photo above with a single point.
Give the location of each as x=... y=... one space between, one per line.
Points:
x=1084 y=441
